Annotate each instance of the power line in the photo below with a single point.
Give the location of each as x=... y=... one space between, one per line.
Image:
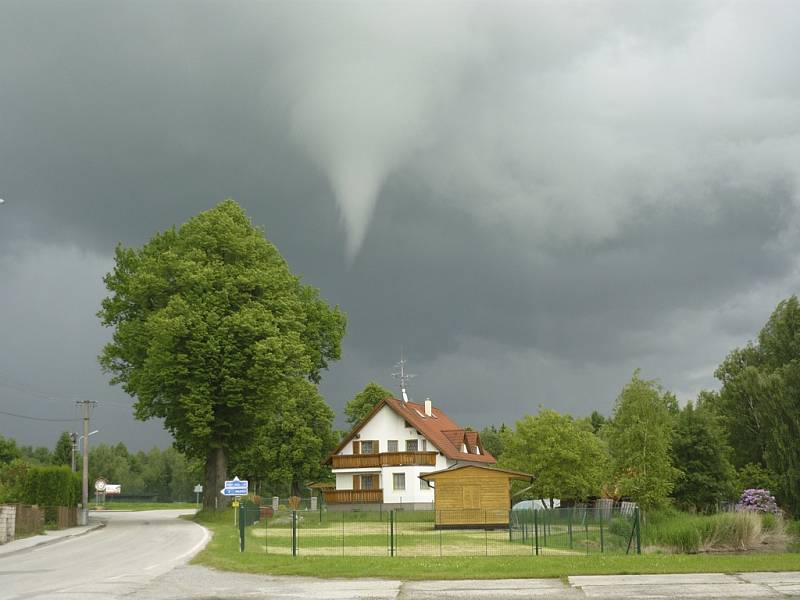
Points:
x=2 y=412
x=10 y=382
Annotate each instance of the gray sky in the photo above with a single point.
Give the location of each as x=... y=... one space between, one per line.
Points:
x=532 y=199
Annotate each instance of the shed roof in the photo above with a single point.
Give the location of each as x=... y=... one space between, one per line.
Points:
x=511 y=474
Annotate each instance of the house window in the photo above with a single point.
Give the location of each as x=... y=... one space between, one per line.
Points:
x=399 y=481
x=424 y=485
x=366 y=482
x=424 y=445
x=392 y=446
x=412 y=445
x=369 y=447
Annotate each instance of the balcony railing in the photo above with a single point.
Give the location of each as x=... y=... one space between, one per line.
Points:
x=384 y=459
x=353 y=496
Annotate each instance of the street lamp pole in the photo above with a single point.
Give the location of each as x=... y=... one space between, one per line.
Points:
x=74 y=438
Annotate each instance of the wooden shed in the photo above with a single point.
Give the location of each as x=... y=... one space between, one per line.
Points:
x=467 y=496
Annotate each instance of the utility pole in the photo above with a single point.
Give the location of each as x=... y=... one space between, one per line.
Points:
x=86 y=406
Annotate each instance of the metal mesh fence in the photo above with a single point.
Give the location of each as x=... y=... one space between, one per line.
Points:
x=469 y=532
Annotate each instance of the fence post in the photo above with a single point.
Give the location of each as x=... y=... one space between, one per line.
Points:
x=440 y=537
x=294 y=533
x=638 y=531
x=485 y=533
x=266 y=534
x=536 y=530
x=545 y=525
x=242 y=517
x=569 y=525
x=633 y=532
x=391 y=533
x=602 y=543
x=586 y=531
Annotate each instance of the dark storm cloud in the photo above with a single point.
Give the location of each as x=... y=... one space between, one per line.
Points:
x=532 y=199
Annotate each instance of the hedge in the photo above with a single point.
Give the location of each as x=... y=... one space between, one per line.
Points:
x=52 y=486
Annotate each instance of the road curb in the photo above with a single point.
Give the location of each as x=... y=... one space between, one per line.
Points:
x=54 y=540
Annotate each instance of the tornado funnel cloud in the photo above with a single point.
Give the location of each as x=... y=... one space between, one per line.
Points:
x=356 y=186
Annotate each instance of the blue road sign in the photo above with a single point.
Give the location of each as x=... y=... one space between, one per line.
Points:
x=235 y=487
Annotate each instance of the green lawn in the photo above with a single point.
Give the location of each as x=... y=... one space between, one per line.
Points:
x=223 y=553
x=143 y=505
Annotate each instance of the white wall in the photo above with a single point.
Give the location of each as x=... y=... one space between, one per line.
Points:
x=387 y=425
x=384 y=426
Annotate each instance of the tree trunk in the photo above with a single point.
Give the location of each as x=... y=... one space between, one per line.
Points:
x=216 y=470
x=295 y=488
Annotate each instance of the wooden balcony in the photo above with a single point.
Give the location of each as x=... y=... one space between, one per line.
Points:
x=384 y=459
x=353 y=496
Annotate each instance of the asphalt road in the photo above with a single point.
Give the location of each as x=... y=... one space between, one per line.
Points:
x=132 y=549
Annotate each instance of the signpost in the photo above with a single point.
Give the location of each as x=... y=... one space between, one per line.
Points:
x=198 y=489
x=99 y=490
x=235 y=487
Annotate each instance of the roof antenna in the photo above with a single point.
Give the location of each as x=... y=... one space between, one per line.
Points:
x=402 y=375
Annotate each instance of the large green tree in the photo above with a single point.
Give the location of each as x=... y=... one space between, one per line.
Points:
x=209 y=327
x=363 y=402
x=493 y=439
x=760 y=399
x=566 y=459
x=639 y=438
x=700 y=449
x=291 y=444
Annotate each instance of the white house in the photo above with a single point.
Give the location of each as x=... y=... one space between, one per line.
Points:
x=380 y=460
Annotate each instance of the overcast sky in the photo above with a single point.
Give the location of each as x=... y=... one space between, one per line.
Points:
x=531 y=199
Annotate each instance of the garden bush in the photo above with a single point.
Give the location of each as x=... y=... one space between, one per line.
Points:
x=51 y=486
x=758 y=500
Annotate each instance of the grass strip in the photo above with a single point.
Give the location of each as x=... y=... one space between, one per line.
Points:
x=223 y=553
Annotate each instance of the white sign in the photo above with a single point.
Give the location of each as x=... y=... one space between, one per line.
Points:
x=113 y=489
x=100 y=485
x=235 y=487
x=198 y=489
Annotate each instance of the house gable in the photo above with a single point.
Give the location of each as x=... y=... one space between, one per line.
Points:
x=442 y=434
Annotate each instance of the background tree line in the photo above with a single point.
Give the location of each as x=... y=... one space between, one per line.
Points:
x=163 y=475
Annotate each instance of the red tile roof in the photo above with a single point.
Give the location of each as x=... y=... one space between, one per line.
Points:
x=439 y=430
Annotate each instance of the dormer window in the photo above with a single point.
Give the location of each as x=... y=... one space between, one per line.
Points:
x=464 y=449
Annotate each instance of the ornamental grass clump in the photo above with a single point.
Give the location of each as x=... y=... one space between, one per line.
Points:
x=742 y=531
x=731 y=532
x=758 y=500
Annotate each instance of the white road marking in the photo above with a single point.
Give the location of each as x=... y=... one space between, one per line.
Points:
x=198 y=545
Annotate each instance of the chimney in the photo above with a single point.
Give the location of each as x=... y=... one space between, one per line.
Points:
x=428 y=407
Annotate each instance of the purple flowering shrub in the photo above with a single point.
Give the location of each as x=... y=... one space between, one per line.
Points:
x=758 y=500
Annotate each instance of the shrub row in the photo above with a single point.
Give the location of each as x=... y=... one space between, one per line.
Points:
x=44 y=486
